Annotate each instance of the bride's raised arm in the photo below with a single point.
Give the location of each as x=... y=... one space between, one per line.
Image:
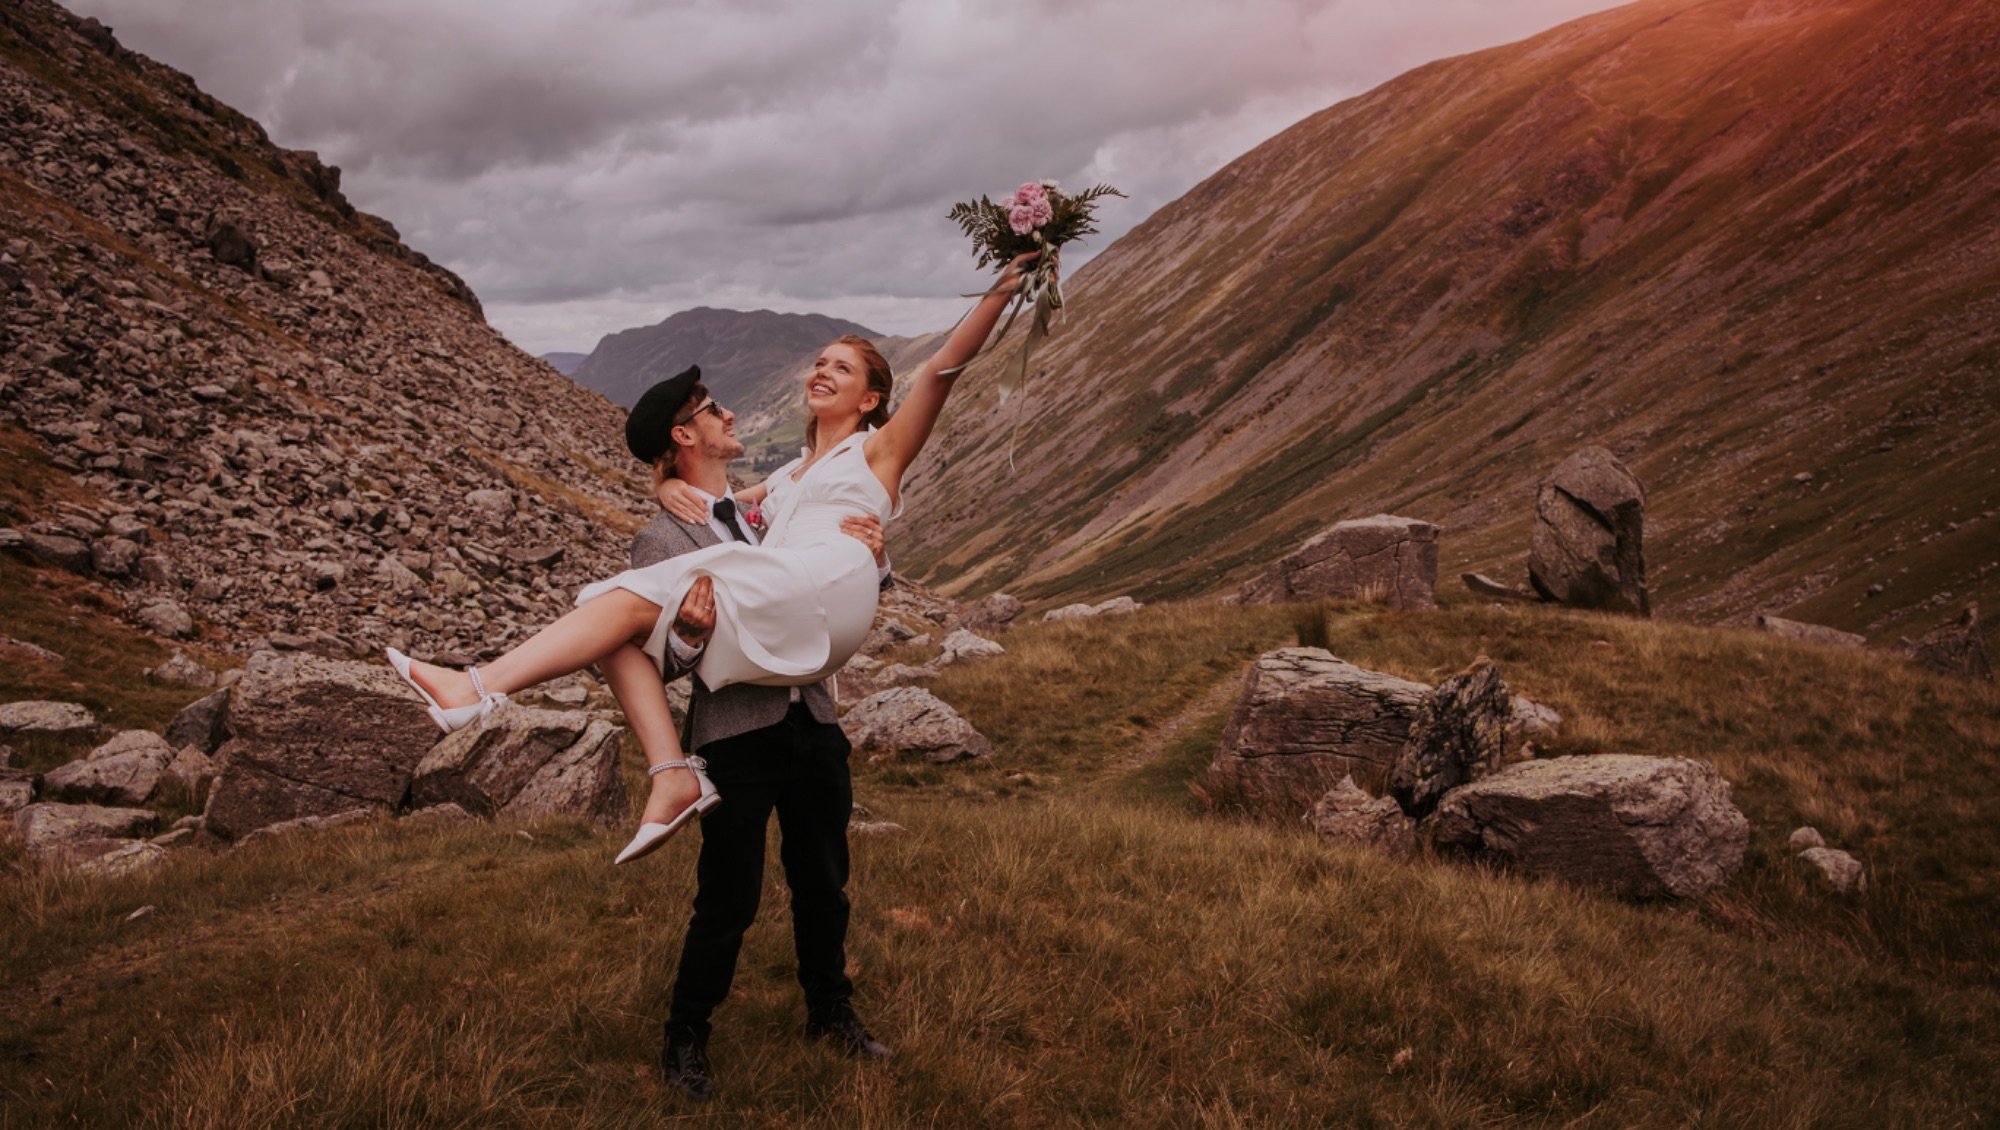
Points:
x=897 y=443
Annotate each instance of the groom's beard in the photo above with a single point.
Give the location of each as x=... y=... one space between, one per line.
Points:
x=723 y=450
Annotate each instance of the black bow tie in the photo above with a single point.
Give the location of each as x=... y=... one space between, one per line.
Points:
x=725 y=509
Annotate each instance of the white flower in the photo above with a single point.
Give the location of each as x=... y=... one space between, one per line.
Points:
x=1051 y=185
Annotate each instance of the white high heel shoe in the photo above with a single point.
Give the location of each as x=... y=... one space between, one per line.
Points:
x=451 y=718
x=650 y=835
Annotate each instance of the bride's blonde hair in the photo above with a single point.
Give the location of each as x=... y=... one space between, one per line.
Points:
x=880 y=380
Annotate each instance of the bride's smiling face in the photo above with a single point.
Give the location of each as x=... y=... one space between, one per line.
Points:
x=838 y=383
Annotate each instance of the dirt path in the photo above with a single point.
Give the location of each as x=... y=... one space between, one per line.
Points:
x=1198 y=708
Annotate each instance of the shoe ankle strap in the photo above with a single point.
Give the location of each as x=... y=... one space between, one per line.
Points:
x=690 y=762
x=478 y=684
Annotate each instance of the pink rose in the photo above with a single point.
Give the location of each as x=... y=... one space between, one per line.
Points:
x=753 y=514
x=1041 y=211
x=1021 y=218
x=1031 y=193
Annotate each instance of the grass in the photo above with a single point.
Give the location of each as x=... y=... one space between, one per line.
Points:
x=1085 y=949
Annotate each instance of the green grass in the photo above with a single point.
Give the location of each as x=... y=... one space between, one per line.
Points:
x=1086 y=948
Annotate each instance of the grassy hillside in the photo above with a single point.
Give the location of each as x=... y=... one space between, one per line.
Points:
x=1738 y=241
x=1059 y=939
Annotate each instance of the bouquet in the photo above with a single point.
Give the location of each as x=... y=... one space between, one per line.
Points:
x=1039 y=216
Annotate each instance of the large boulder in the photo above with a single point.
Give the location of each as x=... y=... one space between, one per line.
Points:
x=312 y=737
x=527 y=762
x=1385 y=559
x=1587 y=546
x=126 y=770
x=1957 y=648
x=46 y=719
x=1638 y=827
x=72 y=833
x=1305 y=721
x=910 y=722
x=1460 y=734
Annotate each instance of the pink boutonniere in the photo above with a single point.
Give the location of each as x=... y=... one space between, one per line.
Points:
x=754 y=514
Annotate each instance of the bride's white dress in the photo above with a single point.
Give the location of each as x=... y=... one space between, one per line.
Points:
x=793 y=609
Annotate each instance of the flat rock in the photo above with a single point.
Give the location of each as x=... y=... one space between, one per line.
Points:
x=309 y=824
x=1486 y=586
x=1637 y=827
x=314 y=737
x=1306 y=720
x=1384 y=559
x=1808 y=633
x=1587 y=549
x=71 y=833
x=909 y=722
x=125 y=859
x=46 y=719
x=1347 y=814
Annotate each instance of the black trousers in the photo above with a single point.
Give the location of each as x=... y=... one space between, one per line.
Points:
x=797 y=768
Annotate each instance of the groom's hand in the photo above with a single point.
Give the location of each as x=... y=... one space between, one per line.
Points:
x=696 y=619
x=866 y=529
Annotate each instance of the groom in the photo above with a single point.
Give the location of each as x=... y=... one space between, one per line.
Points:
x=768 y=749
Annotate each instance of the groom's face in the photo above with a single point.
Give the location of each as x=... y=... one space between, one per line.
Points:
x=714 y=429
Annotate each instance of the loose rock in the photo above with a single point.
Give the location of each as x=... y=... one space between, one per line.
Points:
x=528 y=762
x=201 y=723
x=1349 y=815
x=124 y=771
x=1957 y=649
x=912 y=723
x=1841 y=872
x=71 y=833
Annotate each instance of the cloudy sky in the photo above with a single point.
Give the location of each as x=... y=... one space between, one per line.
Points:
x=591 y=165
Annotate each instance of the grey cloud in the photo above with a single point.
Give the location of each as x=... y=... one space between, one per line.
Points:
x=597 y=164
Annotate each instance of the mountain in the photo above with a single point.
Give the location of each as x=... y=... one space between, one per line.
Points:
x=1751 y=245
x=235 y=409
x=564 y=363
x=738 y=351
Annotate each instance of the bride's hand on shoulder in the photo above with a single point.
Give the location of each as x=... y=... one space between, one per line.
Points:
x=682 y=501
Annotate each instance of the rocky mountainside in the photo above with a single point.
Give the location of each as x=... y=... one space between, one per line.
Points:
x=235 y=407
x=1753 y=246
x=738 y=351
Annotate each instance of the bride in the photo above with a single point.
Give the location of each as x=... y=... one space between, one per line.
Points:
x=788 y=611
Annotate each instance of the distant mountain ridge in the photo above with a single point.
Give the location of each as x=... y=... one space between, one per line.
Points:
x=738 y=351
x=564 y=363
x=1751 y=245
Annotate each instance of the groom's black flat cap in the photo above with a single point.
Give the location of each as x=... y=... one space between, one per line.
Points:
x=647 y=428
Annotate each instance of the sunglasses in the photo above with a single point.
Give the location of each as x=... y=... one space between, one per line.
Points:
x=711 y=406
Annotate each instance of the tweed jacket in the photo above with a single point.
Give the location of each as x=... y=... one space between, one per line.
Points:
x=732 y=710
